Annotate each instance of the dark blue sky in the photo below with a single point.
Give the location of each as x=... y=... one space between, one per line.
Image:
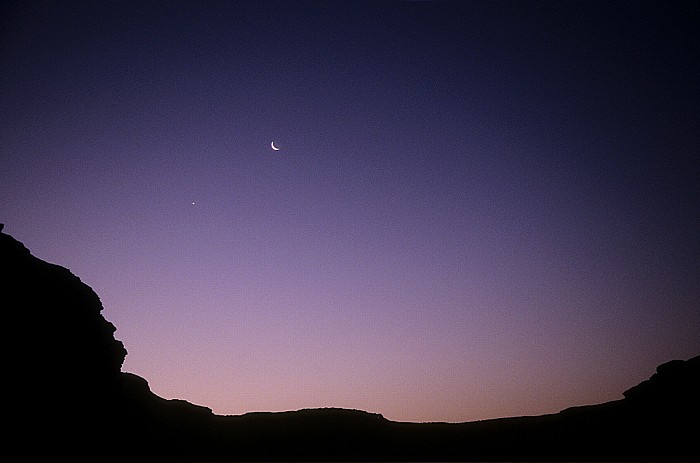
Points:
x=479 y=209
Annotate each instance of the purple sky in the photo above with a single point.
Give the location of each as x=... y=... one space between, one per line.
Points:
x=479 y=209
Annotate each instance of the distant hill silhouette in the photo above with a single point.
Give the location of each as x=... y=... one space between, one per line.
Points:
x=67 y=399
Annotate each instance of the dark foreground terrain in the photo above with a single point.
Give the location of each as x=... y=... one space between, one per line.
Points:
x=67 y=399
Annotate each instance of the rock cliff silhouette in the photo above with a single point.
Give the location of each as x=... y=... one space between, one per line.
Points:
x=67 y=399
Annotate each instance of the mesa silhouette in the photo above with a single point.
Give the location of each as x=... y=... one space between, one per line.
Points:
x=68 y=399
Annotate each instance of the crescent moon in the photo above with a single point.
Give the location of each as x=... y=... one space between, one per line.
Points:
x=272 y=144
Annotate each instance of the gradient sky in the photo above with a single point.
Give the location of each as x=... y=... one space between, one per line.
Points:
x=479 y=209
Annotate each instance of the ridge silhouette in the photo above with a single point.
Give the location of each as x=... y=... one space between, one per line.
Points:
x=67 y=399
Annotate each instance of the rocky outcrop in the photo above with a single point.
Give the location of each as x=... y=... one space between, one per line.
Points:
x=67 y=396
x=67 y=400
x=57 y=321
x=675 y=383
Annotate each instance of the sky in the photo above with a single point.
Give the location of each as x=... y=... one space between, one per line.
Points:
x=478 y=209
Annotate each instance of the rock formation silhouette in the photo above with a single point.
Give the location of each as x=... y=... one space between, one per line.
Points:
x=69 y=400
